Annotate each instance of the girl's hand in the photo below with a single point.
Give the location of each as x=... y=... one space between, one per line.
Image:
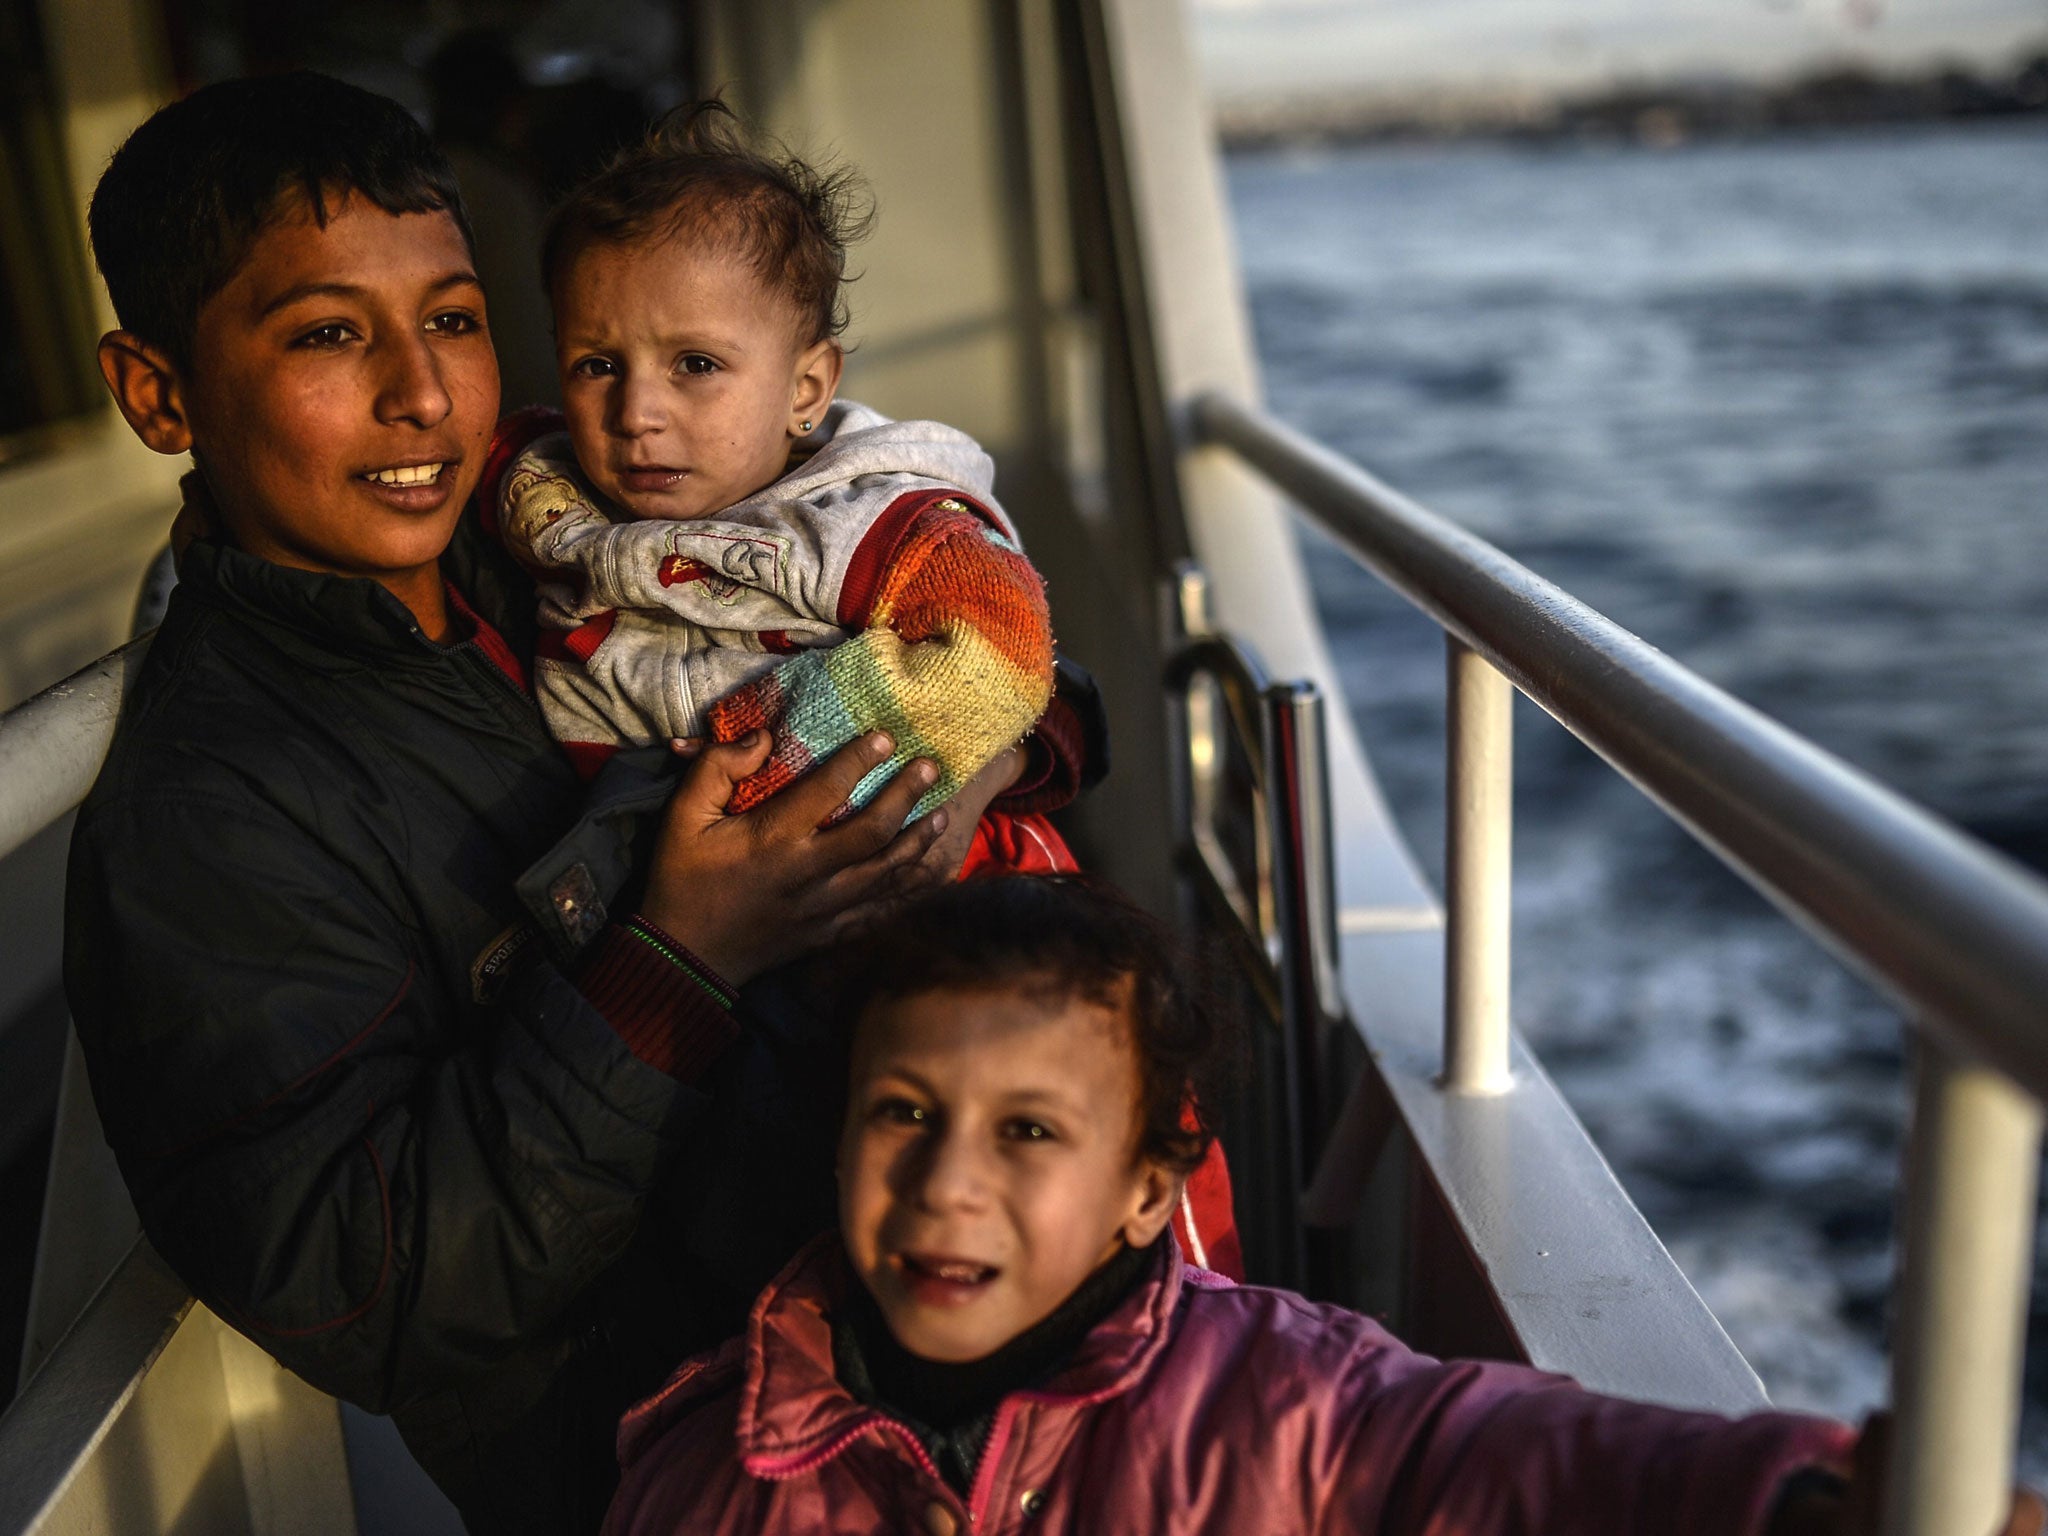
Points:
x=750 y=891
x=1851 y=1508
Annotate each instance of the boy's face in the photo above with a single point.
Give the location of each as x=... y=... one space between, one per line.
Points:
x=685 y=377
x=343 y=390
x=988 y=1162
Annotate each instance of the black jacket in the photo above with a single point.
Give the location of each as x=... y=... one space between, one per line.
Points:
x=420 y=1196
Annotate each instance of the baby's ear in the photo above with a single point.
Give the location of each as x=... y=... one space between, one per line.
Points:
x=1157 y=1194
x=817 y=381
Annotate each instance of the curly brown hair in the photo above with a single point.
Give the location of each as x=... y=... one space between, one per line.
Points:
x=1061 y=938
x=698 y=176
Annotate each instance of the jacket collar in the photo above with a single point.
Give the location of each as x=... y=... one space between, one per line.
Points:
x=794 y=1415
x=353 y=615
x=349 y=614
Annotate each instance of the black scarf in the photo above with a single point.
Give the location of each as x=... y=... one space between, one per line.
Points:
x=951 y=1407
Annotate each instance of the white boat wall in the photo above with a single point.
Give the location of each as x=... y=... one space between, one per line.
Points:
x=1053 y=272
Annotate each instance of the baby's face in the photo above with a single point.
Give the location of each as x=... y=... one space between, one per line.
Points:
x=685 y=377
x=987 y=1165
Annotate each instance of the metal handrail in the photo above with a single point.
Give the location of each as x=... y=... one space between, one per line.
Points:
x=153 y=1415
x=1240 y=682
x=1283 y=911
x=1957 y=933
x=52 y=745
x=65 y=1413
x=1290 y=918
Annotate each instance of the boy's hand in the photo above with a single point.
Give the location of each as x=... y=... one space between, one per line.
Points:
x=749 y=891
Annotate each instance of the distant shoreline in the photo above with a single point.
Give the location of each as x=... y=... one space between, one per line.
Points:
x=1658 y=115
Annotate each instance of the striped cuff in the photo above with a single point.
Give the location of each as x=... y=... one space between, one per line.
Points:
x=669 y=1008
x=672 y=950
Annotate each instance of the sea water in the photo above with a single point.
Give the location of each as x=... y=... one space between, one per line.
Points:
x=1781 y=408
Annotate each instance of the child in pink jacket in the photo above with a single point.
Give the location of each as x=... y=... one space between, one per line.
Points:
x=999 y=1339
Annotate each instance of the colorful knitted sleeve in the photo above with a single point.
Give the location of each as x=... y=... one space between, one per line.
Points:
x=955 y=663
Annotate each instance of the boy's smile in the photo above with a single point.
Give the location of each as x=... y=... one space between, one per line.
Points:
x=685 y=377
x=342 y=392
x=989 y=1164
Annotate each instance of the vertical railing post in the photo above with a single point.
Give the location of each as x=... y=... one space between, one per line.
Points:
x=1297 y=784
x=1967 y=1260
x=1478 y=872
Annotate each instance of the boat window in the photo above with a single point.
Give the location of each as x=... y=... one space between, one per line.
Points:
x=526 y=100
x=46 y=311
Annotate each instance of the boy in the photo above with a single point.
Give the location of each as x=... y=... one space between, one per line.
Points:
x=404 y=1150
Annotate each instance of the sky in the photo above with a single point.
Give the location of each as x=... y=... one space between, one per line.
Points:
x=1254 y=48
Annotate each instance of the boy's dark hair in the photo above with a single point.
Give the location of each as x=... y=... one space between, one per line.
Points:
x=696 y=177
x=185 y=197
x=1066 y=937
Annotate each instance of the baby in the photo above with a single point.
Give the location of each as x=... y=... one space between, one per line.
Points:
x=998 y=1339
x=721 y=545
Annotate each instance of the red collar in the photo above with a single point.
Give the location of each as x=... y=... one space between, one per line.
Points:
x=488 y=640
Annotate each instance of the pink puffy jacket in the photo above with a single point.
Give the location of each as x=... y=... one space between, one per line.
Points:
x=1197 y=1407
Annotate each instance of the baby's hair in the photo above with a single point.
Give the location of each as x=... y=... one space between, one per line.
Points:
x=697 y=177
x=1060 y=938
x=184 y=198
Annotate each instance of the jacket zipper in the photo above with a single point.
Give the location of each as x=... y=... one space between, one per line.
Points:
x=991 y=1456
x=469 y=656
